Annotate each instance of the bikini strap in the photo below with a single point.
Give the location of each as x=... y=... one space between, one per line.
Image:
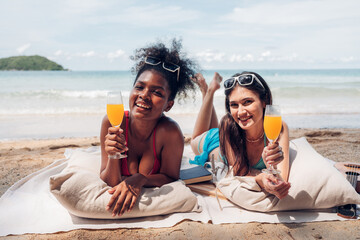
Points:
x=154 y=149
x=154 y=145
x=264 y=140
x=156 y=166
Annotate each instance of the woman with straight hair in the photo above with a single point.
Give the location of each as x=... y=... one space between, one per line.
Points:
x=239 y=140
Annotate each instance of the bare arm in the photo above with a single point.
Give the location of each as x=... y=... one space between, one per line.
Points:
x=283 y=166
x=280 y=158
x=112 y=140
x=268 y=182
x=171 y=141
x=277 y=154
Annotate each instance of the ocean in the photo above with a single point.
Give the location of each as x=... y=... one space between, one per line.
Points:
x=36 y=105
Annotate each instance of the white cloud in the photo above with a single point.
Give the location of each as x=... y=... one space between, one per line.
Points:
x=22 y=49
x=117 y=54
x=240 y=58
x=325 y=32
x=348 y=59
x=84 y=6
x=111 y=55
x=286 y=58
x=263 y=57
x=266 y=54
x=58 y=53
x=294 y=13
x=211 y=56
x=87 y=54
x=154 y=16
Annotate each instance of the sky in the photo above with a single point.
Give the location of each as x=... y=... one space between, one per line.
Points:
x=232 y=34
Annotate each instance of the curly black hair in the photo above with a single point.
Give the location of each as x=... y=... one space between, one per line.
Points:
x=188 y=67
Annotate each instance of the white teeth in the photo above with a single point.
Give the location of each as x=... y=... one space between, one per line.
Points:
x=143 y=106
x=244 y=119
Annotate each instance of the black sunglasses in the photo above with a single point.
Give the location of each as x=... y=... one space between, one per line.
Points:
x=243 y=80
x=171 y=67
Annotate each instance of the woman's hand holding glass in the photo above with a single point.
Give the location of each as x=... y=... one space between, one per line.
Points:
x=115 y=143
x=272 y=128
x=115 y=112
x=274 y=185
x=272 y=154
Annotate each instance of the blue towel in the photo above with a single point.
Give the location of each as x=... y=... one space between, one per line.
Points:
x=211 y=142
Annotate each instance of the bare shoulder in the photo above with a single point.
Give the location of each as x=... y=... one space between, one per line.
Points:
x=285 y=127
x=105 y=123
x=284 y=135
x=105 y=119
x=169 y=128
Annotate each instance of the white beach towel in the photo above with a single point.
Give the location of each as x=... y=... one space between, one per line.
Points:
x=29 y=207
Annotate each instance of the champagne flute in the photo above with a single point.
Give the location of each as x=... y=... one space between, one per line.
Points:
x=272 y=128
x=115 y=113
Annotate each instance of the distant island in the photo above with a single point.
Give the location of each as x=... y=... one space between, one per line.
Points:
x=29 y=63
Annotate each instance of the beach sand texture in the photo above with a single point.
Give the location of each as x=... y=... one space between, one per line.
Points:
x=20 y=158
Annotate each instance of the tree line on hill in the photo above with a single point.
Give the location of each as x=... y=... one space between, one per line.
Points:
x=29 y=63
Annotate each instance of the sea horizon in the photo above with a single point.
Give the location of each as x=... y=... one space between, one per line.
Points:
x=48 y=104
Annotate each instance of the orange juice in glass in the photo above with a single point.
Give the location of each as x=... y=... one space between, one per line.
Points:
x=272 y=128
x=115 y=113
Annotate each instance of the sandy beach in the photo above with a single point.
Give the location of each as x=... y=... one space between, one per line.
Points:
x=22 y=157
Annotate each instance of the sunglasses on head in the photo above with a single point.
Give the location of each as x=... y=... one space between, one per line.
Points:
x=243 y=80
x=171 y=67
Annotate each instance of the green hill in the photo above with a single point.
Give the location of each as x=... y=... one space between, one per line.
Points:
x=29 y=63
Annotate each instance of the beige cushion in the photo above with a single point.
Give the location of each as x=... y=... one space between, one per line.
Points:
x=315 y=184
x=81 y=191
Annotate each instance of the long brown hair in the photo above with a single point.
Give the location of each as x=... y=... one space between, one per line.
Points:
x=232 y=135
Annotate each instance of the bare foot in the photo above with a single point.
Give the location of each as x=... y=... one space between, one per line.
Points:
x=201 y=82
x=215 y=83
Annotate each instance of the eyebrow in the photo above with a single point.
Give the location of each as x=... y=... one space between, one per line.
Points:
x=242 y=100
x=247 y=98
x=152 y=86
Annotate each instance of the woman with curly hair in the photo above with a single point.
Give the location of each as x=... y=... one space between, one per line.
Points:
x=152 y=141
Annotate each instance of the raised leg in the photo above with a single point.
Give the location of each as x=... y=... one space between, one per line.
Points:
x=207 y=117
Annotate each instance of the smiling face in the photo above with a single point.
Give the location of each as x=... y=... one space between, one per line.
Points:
x=149 y=96
x=246 y=108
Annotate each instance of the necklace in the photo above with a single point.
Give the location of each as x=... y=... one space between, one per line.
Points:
x=256 y=140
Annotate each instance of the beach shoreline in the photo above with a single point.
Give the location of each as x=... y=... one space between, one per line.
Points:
x=20 y=158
